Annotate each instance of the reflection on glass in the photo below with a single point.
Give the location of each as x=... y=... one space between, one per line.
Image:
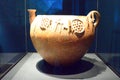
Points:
x=8 y=60
x=12 y=34
x=108 y=42
x=112 y=60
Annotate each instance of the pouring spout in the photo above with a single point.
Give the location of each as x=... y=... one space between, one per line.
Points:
x=32 y=15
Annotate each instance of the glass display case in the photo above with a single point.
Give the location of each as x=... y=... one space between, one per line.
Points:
x=12 y=33
x=16 y=48
x=108 y=44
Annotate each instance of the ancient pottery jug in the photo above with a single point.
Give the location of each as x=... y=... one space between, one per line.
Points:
x=62 y=39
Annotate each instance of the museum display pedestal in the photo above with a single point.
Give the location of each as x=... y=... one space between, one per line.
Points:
x=33 y=67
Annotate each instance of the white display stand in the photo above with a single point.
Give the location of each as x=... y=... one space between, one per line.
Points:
x=28 y=70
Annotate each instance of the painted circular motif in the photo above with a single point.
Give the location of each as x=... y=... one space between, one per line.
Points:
x=77 y=26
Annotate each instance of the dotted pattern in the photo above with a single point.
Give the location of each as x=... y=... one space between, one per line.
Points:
x=77 y=26
x=45 y=23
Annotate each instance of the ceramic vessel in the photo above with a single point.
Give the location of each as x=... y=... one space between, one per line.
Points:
x=62 y=39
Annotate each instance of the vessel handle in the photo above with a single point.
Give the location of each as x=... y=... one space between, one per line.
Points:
x=94 y=17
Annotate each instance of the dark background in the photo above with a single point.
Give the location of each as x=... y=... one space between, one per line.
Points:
x=15 y=27
x=12 y=26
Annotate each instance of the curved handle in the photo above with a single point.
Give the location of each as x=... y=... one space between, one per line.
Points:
x=94 y=17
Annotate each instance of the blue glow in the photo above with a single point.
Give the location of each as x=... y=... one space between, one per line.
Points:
x=116 y=17
x=46 y=6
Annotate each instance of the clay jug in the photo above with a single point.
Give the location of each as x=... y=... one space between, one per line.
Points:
x=62 y=39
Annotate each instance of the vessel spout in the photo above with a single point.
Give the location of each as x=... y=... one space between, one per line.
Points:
x=32 y=15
